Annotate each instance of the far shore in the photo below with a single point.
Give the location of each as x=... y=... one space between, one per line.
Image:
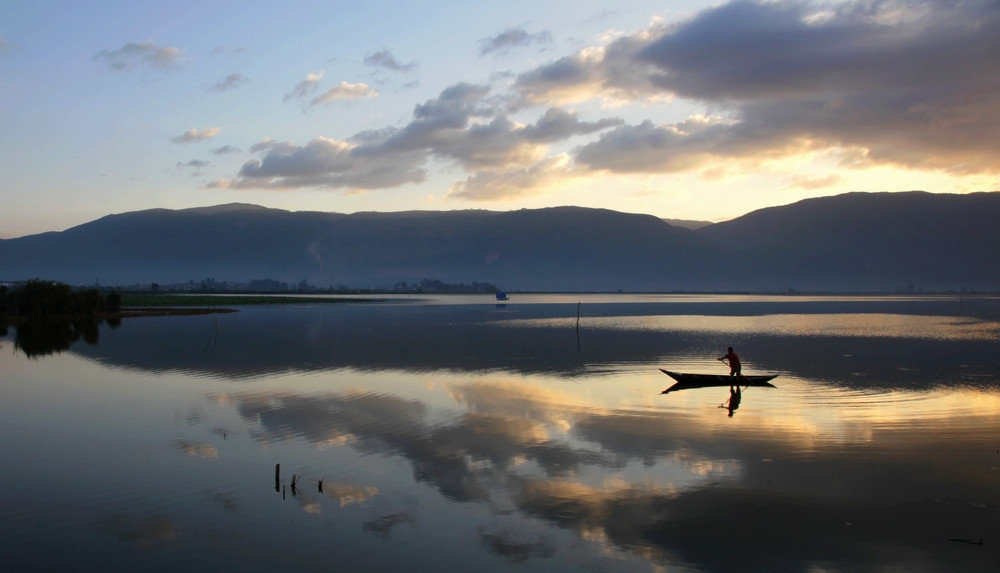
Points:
x=132 y=301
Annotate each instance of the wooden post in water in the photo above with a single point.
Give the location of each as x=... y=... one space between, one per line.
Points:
x=277 y=477
x=578 y=327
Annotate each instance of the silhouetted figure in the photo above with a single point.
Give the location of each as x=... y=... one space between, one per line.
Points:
x=734 y=400
x=735 y=368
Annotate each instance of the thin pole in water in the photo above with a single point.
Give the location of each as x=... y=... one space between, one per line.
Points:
x=578 y=326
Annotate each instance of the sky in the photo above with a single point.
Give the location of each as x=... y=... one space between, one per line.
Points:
x=682 y=109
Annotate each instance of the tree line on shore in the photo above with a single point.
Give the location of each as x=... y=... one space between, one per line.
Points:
x=41 y=300
x=272 y=286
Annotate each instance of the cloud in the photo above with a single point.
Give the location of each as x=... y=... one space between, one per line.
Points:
x=611 y=72
x=232 y=81
x=506 y=544
x=343 y=92
x=908 y=84
x=134 y=54
x=197 y=449
x=384 y=59
x=193 y=135
x=196 y=163
x=225 y=149
x=513 y=37
x=603 y=14
x=463 y=125
x=806 y=182
x=221 y=50
x=514 y=182
x=328 y=163
x=269 y=144
x=305 y=87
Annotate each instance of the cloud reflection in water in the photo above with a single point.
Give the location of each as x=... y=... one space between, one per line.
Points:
x=757 y=497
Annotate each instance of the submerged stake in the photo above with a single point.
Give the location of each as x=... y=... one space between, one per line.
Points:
x=978 y=542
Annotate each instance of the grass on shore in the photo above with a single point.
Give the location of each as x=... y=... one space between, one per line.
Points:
x=139 y=300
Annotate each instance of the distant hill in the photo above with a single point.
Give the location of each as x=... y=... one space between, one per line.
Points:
x=867 y=240
x=565 y=248
x=857 y=241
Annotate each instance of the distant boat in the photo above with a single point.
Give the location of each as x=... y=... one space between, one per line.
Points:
x=502 y=296
x=690 y=381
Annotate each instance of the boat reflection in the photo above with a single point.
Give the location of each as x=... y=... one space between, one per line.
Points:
x=696 y=381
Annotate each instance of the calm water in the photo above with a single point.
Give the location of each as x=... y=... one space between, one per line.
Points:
x=455 y=435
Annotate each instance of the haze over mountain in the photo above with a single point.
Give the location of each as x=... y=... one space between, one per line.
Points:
x=857 y=241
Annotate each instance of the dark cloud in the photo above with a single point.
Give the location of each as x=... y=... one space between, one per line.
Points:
x=232 y=81
x=602 y=15
x=220 y=50
x=611 y=72
x=329 y=163
x=451 y=127
x=409 y=86
x=196 y=163
x=672 y=148
x=910 y=84
x=134 y=54
x=225 y=149
x=513 y=37
x=385 y=60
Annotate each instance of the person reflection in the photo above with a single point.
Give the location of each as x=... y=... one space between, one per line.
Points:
x=735 y=395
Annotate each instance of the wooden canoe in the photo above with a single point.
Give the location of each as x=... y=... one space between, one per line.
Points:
x=691 y=381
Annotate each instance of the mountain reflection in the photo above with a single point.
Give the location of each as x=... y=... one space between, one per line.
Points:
x=907 y=351
x=763 y=498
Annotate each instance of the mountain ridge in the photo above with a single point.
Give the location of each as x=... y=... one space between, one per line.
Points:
x=855 y=241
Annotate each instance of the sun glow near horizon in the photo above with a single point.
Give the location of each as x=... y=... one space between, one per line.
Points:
x=689 y=110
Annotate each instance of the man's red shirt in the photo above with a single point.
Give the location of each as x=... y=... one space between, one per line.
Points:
x=734 y=360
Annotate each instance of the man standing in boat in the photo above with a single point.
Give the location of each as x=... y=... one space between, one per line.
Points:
x=735 y=368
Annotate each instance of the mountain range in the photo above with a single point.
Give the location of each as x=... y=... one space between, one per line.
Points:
x=850 y=242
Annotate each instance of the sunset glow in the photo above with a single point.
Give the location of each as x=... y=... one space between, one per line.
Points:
x=687 y=110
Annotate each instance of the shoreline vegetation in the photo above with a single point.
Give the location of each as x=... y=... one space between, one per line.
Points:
x=152 y=302
x=50 y=316
x=42 y=301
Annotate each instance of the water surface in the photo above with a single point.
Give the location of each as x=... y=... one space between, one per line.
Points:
x=475 y=436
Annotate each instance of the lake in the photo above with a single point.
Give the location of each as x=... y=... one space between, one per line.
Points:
x=452 y=433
